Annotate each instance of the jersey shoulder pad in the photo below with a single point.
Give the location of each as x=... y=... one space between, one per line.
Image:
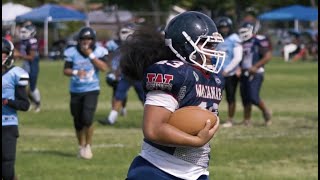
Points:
x=21 y=76
x=235 y=38
x=111 y=45
x=69 y=52
x=263 y=41
x=170 y=76
x=101 y=51
x=261 y=37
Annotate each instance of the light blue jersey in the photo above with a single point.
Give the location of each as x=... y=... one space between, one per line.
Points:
x=91 y=81
x=228 y=46
x=16 y=76
x=111 y=45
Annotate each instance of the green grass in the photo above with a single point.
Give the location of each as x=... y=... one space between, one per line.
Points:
x=288 y=150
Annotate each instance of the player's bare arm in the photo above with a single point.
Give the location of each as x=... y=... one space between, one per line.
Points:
x=156 y=129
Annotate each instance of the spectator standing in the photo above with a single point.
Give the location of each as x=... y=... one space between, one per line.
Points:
x=83 y=63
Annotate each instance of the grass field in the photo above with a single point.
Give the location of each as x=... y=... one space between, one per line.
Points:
x=288 y=150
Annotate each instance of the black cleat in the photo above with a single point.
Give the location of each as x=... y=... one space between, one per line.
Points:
x=105 y=121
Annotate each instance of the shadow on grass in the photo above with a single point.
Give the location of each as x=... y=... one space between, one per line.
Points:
x=50 y=152
x=132 y=120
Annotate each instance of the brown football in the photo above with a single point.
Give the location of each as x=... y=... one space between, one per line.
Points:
x=191 y=119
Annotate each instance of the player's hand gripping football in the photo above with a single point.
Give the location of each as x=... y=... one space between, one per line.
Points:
x=207 y=133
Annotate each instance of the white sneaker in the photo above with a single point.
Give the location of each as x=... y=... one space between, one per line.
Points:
x=81 y=152
x=87 y=152
x=123 y=112
x=227 y=124
x=37 y=108
x=30 y=107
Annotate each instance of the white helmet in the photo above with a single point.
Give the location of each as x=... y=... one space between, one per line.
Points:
x=246 y=31
x=27 y=32
x=126 y=31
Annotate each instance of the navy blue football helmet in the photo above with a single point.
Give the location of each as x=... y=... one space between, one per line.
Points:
x=87 y=33
x=246 y=31
x=192 y=34
x=223 y=22
x=7 y=48
x=28 y=31
x=127 y=30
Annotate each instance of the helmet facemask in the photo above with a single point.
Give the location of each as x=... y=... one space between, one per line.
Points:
x=125 y=33
x=8 y=61
x=203 y=47
x=26 y=33
x=86 y=33
x=245 y=33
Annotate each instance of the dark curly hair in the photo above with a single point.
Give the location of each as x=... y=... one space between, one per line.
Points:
x=145 y=47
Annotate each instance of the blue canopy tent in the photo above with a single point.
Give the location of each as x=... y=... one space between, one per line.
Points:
x=51 y=13
x=294 y=13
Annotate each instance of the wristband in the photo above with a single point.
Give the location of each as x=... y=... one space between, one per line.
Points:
x=75 y=72
x=92 y=56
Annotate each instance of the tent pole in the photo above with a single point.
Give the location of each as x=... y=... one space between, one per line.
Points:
x=13 y=30
x=87 y=22
x=296 y=25
x=46 y=37
x=46 y=24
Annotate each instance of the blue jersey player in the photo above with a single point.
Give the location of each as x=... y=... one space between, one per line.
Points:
x=177 y=71
x=230 y=70
x=83 y=63
x=14 y=98
x=29 y=53
x=257 y=51
x=119 y=83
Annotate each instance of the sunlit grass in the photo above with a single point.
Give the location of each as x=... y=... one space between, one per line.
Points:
x=47 y=148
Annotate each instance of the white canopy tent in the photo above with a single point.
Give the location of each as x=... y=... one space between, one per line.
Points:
x=9 y=13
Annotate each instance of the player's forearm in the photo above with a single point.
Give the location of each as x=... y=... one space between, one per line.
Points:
x=267 y=57
x=101 y=65
x=70 y=72
x=237 y=56
x=28 y=57
x=21 y=100
x=169 y=135
x=157 y=130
